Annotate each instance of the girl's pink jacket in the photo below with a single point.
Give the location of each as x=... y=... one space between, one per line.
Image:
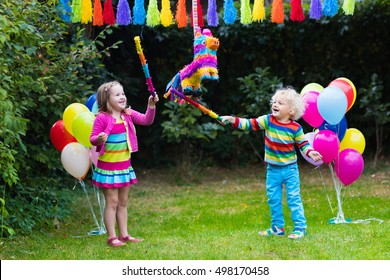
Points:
x=104 y=122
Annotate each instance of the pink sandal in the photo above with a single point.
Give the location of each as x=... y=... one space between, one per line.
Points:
x=115 y=242
x=129 y=238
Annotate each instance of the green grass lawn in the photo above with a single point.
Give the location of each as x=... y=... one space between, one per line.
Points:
x=218 y=217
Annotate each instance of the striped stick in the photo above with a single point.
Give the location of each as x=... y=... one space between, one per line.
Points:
x=145 y=67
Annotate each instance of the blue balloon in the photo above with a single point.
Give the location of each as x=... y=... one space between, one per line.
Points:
x=340 y=129
x=91 y=102
x=332 y=104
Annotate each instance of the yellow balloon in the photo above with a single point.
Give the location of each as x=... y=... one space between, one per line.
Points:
x=312 y=87
x=353 y=139
x=70 y=113
x=82 y=127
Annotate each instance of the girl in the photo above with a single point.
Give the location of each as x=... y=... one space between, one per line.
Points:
x=114 y=136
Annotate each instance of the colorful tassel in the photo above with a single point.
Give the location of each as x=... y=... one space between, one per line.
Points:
x=349 y=7
x=76 y=11
x=230 y=12
x=123 y=13
x=212 y=14
x=97 y=13
x=152 y=15
x=296 y=13
x=166 y=13
x=86 y=11
x=258 y=11
x=139 y=12
x=331 y=7
x=64 y=10
x=315 y=9
x=246 y=14
x=277 y=11
x=108 y=13
x=181 y=14
x=199 y=14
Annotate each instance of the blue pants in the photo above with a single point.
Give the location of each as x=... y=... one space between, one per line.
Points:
x=289 y=176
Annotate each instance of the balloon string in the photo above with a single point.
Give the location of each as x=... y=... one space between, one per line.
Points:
x=324 y=187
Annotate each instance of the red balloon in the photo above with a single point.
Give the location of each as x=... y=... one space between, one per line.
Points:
x=59 y=136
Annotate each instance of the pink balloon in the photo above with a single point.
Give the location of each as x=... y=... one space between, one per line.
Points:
x=310 y=137
x=94 y=155
x=327 y=144
x=349 y=166
x=311 y=115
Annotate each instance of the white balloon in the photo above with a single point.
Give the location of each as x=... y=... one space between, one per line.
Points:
x=75 y=160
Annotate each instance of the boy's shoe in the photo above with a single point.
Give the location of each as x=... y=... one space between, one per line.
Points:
x=273 y=230
x=296 y=234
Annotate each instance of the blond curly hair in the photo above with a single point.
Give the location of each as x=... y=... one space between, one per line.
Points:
x=293 y=99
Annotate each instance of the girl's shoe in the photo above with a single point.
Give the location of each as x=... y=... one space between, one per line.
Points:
x=296 y=234
x=115 y=242
x=129 y=238
x=272 y=231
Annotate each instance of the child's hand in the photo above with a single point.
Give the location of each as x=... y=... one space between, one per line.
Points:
x=314 y=155
x=153 y=100
x=102 y=137
x=227 y=120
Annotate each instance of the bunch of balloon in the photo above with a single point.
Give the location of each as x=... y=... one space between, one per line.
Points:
x=70 y=136
x=341 y=147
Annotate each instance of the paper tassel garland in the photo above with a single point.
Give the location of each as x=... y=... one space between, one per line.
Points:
x=76 y=11
x=296 y=13
x=152 y=15
x=166 y=13
x=258 y=11
x=97 y=13
x=86 y=11
x=230 y=12
x=212 y=14
x=64 y=10
x=108 y=13
x=123 y=13
x=139 y=12
x=277 y=12
x=199 y=12
x=315 y=11
x=181 y=14
x=331 y=7
x=349 y=7
x=246 y=14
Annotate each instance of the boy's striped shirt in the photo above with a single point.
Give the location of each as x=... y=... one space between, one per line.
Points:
x=280 y=138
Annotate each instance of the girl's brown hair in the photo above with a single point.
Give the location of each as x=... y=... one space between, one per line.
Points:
x=103 y=95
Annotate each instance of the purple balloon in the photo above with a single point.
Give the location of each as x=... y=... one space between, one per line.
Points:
x=310 y=137
x=327 y=144
x=349 y=166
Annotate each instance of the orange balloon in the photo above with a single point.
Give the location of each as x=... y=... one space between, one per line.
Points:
x=348 y=88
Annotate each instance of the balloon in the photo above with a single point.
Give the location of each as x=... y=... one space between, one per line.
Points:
x=75 y=160
x=353 y=139
x=311 y=87
x=349 y=166
x=94 y=155
x=310 y=137
x=332 y=104
x=70 y=113
x=92 y=104
x=327 y=144
x=348 y=88
x=311 y=114
x=82 y=127
x=59 y=136
x=339 y=128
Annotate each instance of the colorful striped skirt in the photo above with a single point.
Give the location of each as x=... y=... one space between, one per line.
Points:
x=114 y=178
